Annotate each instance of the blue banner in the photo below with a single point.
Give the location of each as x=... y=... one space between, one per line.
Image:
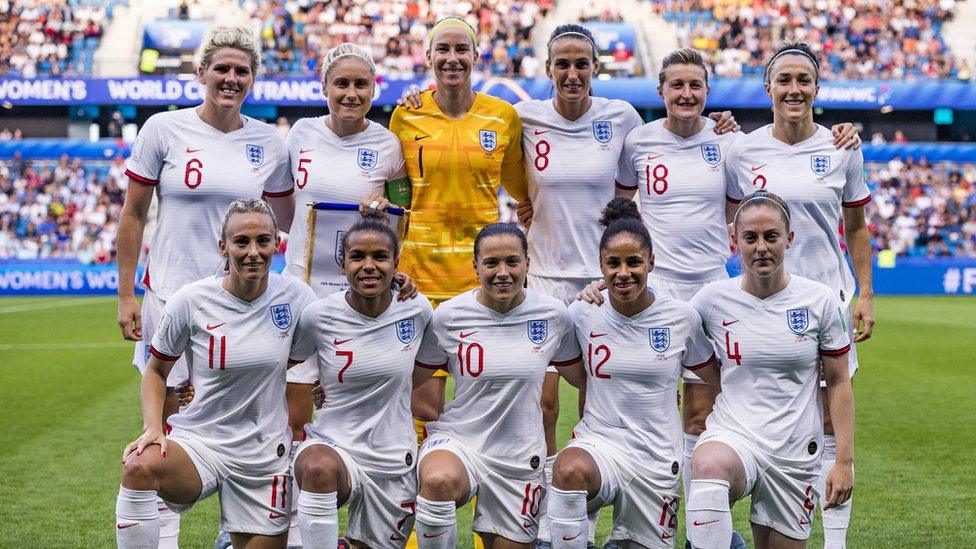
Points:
x=908 y=276
x=174 y=35
x=640 y=92
x=606 y=35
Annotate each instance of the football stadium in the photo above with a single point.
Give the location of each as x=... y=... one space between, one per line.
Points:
x=487 y=273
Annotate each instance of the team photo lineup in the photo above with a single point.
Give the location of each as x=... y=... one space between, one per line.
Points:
x=466 y=277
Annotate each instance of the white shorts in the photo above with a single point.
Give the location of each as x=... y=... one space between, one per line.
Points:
x=381 y=509
x=248 y=504
x=304 y=372
x=645 y=509
x=509 y=498
x=784 y=493
x=564 y=289
x=152 y=313
x=682 y=291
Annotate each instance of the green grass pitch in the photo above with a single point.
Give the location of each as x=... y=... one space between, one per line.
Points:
x=70 y=402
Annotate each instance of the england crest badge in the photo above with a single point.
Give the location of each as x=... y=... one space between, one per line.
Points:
x=281 y=316
x=820 y=164
x=255 y=154
x=712 y=154
x=603 y=131
x=405 y=330
x=489 y=140
x=367 y=158
x=538 y=331
x=797 y=320
x=660 y=338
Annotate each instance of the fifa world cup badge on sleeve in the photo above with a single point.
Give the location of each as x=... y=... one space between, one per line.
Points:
x=660 y=338
x=797 y=320
x=538 y=331
x=281 y=316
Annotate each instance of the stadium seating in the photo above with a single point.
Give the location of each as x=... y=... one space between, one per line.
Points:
x=856 y=39
x=51 y=38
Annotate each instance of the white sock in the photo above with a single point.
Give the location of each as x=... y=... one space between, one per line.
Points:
x=836 y=519
x=708 y=518
x=592 y=520
x=169 y=526
x=318 y=519
x=436 y=524
x=567 y=515
x=544 y=514
x=136 y=519
x=690 y=442
x=294 y=535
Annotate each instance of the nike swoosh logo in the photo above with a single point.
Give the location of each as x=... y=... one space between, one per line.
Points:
x=396 y=537
x=191 y=151
x=649 y=157
x=272 y=515
x=595 y=335
x=429 y=536
x=728 y=322
x=759 y=167
x=303 y=150
x=419 y=137
x=340 y=341
x=124 y=526
x=697 y=523
x=526 y=524
x=215 y=326
x=571 y=538
x=540 y=132
x=666 y=536
x=464 y=335
x=804 y=522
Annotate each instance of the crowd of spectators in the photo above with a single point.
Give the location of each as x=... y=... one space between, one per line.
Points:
x=49 y=38
x=296 y=35
x=70 y=209
x=856 y=39
x=921 y=209
x=60 y=209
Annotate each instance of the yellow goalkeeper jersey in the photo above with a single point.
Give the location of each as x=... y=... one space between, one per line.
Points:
x=455 y=167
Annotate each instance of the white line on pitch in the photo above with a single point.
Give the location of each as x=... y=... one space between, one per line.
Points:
x=51 y=305
x=46 y=346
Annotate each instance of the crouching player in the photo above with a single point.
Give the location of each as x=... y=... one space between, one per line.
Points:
x=236 y=334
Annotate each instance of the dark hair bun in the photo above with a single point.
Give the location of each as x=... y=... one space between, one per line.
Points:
x=619 y=208
x=374 y=214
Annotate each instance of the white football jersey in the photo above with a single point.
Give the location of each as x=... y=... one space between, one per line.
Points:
x=632 y=367
x=682 y=189
x=329 y=168
x=816 y=180
x=366 y=368
x=770 y=350
x=571 y=166
x=237 y=355
x=498 y=362
x=198 y=171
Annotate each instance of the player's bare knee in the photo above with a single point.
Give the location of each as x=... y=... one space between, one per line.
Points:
x=319 y=470
x=573 y=470
x=712 y=462
x=140 y=471
x=442 y=484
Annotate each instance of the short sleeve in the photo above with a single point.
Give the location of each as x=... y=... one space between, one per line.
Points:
x=698 y=349
x=834 y=338
x=279 y=182
x=398 y=167
x=626 y=177
x=856 y=191
x=304 y=341
x=702 y=303
x=173 y=332
x=513 y=172
x=431 y=355
x=568 y=350
x=733 y=191
x=148 y=152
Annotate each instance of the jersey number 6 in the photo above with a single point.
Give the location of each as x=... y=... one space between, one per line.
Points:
x=193 y=172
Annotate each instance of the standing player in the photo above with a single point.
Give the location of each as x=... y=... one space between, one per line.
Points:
x=361 y=449
x=765 y=437
x=824 y=187
x=459 y=147
x=235 y=332
x=496 y=341
x=635 y=349
x=197 y=161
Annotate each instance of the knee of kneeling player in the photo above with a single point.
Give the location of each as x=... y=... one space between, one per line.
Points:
x=441 y=485
x=139 y=472
x=571 y=472
x=319 y=473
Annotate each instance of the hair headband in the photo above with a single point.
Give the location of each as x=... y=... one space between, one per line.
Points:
x=454 y=22
x=763 y=196
x=794 y=51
